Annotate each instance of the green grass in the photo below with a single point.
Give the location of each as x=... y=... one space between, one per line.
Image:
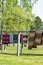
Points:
x=28 y=57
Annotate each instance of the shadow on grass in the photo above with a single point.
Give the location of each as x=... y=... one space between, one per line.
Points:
x=8 y=53
x=32 y=54
x=23 y=54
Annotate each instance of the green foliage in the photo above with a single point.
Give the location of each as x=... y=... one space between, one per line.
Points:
x=16 y=15
x=38 y=23
x=27 y=4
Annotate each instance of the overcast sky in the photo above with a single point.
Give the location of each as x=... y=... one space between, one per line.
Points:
x=38 y=9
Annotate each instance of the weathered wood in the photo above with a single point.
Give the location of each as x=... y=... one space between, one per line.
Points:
x=19 y=49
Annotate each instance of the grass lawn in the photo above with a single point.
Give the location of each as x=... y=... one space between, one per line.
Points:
x=28 y=57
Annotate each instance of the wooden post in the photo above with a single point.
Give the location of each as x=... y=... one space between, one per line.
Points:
x=1 y=45
x=19 y=46
x=2 y=22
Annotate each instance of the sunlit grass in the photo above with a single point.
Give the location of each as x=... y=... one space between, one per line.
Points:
x=28 y=57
